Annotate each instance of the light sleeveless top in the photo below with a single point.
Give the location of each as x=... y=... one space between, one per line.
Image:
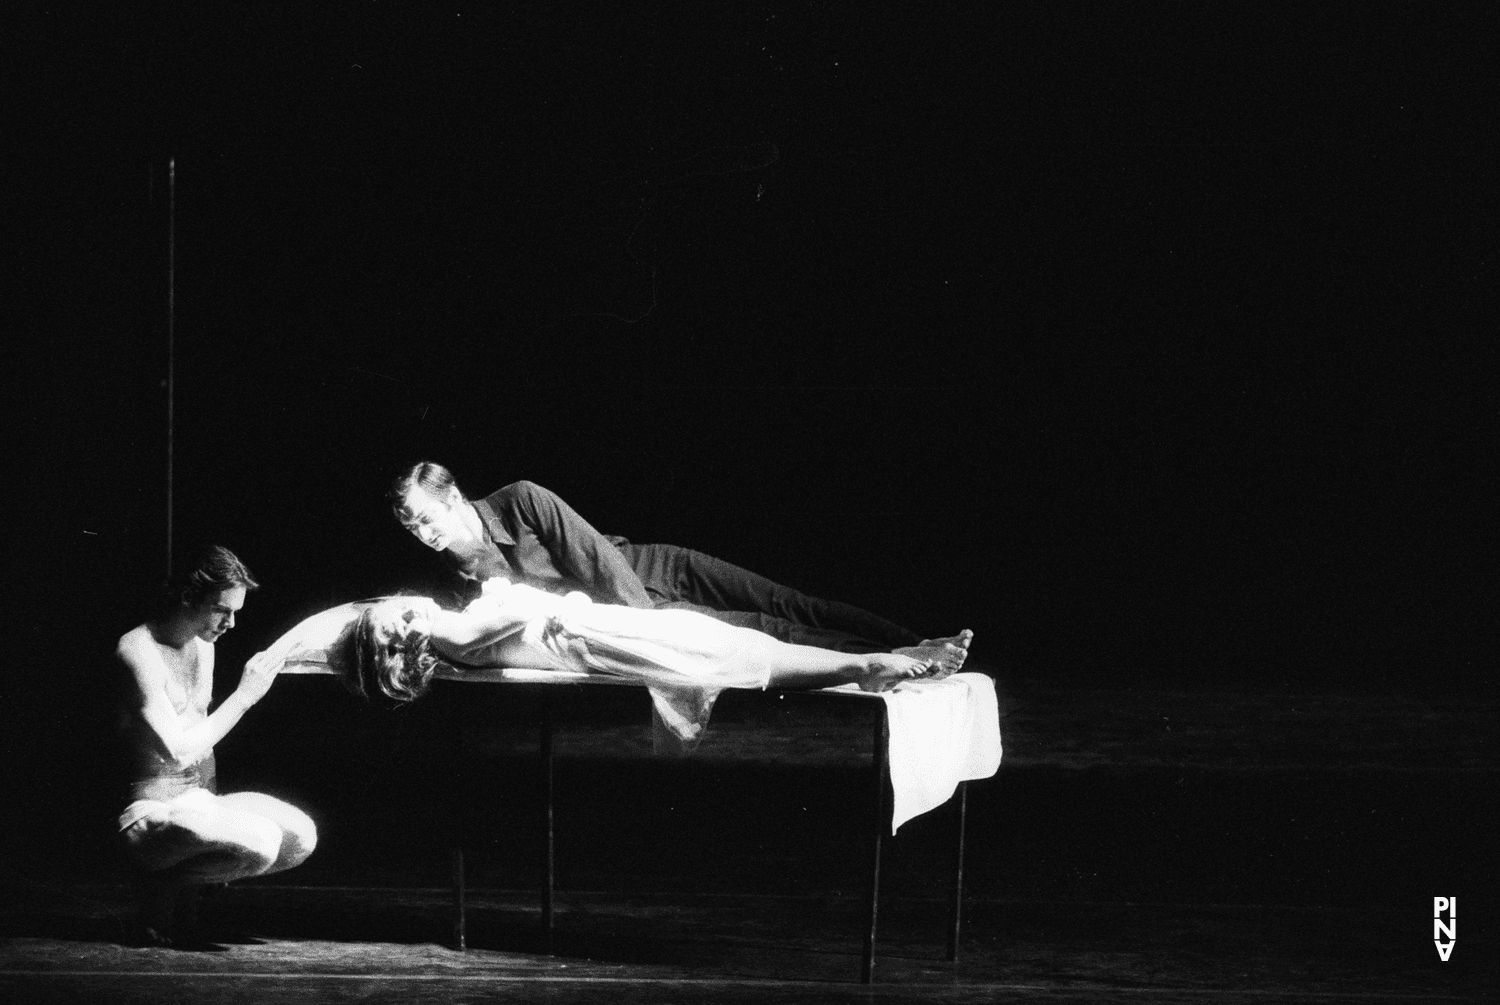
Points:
x=150 y=773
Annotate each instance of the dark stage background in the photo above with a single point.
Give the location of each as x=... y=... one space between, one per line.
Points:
x=1145 y=341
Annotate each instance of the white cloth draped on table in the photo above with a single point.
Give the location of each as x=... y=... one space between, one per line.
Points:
x=941 y=732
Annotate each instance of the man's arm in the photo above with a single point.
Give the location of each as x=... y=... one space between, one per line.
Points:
x=578 y=550
x=186 y=744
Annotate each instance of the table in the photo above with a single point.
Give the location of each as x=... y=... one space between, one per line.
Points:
x=876 y=824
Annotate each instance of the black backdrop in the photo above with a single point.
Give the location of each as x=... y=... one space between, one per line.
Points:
x=1143 y=341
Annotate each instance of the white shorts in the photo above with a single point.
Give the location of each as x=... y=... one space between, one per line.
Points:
x=141 y=809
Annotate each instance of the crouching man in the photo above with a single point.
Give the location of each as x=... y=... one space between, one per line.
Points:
x=177 y=827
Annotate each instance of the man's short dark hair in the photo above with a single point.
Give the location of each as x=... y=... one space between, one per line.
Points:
x=429 y=476
x=206 y=571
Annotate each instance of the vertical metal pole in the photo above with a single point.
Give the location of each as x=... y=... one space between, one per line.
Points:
x=550 y=881
x=880 y=820
x=171 y=338
x=460 y=935
x=958 y=873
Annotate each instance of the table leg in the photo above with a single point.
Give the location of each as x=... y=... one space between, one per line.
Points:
x=880 y=819
x=550 y=880
x=958 y=873
x=460 y=938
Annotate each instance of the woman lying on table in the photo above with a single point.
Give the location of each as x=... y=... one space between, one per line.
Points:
x=394 y=647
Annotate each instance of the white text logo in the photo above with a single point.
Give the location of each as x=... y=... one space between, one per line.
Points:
x=1444 y=929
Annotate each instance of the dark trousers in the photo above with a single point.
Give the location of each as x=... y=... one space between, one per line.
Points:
x=683 y=578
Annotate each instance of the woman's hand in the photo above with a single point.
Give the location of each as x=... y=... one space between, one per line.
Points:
x=258 y=676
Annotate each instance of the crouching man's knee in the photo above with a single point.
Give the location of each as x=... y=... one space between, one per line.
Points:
x=260 y=847
x=299 y=837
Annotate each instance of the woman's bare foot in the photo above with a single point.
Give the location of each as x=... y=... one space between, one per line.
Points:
x=884 y=671
x=945 y=655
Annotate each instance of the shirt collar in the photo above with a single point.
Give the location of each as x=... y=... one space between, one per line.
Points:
x=492 y=523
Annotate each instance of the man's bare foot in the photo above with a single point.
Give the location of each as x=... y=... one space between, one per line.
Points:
x=884 y=671
x=156 y=909
x=946 y=655
x=167 y=916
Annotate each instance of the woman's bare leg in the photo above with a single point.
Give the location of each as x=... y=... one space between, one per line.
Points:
x=794 y=666
x=947 y=655
x=805 y=668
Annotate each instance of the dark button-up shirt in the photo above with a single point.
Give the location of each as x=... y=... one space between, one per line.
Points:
x=531 y=536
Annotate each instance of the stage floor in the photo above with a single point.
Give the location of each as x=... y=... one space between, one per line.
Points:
x=1142 y=845
x=384 y=945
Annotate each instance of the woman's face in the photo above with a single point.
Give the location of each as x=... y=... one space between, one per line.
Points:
x=391 y=654
x=400 y=617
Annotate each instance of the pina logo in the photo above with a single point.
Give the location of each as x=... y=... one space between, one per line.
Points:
x=1444 y=929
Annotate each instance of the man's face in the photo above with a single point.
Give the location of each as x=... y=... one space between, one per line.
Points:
x=436 y=522
x=214 y=615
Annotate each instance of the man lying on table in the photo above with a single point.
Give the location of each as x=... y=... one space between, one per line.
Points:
x=528 y=535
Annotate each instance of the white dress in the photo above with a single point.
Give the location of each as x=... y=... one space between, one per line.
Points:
x=682 y=657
